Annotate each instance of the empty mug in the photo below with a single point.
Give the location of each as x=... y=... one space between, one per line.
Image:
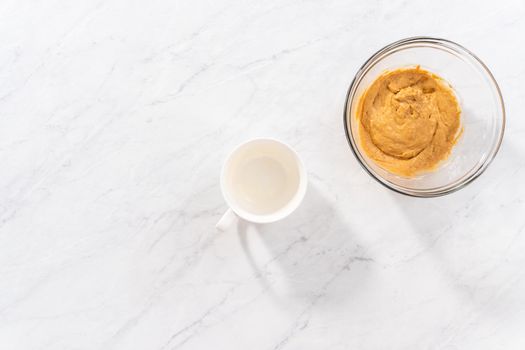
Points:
x=262 y=180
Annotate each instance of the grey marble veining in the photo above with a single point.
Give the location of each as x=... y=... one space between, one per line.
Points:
x=115 y=118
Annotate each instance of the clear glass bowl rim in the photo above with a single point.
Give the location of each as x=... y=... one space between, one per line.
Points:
x=347 y=118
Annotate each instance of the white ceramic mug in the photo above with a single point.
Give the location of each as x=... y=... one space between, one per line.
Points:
x=262 y=180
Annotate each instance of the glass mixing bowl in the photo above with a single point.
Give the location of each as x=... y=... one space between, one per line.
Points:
x=482 y=113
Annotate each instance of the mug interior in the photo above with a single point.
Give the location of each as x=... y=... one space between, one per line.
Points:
x=263 y=180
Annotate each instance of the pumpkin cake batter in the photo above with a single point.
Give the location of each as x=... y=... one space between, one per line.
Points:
x=409 y=121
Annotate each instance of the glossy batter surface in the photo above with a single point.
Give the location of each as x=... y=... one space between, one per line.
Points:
x=409 y=121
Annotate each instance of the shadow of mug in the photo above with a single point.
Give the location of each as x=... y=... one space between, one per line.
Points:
x=308 y=255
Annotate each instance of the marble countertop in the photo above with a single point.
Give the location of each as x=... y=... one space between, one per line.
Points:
x=115 y=118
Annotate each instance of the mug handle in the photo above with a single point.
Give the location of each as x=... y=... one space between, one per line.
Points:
x=226 y=220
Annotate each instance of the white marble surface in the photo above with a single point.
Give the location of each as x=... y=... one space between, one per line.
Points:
x=115 y=117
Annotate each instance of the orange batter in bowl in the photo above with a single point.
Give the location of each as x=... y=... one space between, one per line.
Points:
x=409 y=120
